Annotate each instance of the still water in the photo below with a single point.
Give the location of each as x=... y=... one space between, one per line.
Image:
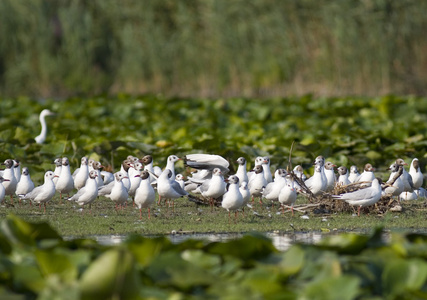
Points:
x=281 y=241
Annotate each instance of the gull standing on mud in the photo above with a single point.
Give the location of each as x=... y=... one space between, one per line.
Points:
x=82 y=174
x=65 y=183
x=145 y=195
x=25 y=184
x=10 y=183
x=168 y=188
x=43 y=193
x=88 y=193
x=232 y=200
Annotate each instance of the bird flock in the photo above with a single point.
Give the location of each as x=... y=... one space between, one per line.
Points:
x=139 y=182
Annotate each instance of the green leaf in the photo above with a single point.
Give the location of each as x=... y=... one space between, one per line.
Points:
x=51 y=263
x=112 y=274
x=332 y=288
x=401 y=277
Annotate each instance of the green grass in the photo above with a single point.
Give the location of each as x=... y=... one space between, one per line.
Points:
x=187 y=217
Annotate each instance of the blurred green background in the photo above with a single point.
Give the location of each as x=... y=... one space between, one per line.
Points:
x=213 y=48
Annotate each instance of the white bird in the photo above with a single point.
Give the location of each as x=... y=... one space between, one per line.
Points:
x=180 y=179
x=288 y=195
x=330 y=176
x=57 y=171
x=82 y=174
x=97 y=166
x=272 y=190
x=343 y=178
x=43 y=193
x=406 y=177
x=106 y=176
x=2 y=190
x=246 y=194
x=232 y=200
x=11 y=182
x=299 y=172
x=258 y=162
x=42 y=136
x=266 y=167
x=354 y=174
x=17 y=169
x=135 y=178
x=316 y=183
x=213 y=188
x=119 y=193
x=363 y=197
x=168 y=188
x=65 y=183
x=170 y=164
x=398 y=186
x=207 y=162
x=124 y=168
x=145 y=194
x=416 y=174
x=154 y=171
x=242 y=171
x=257 y=182
x=367 y=175
x=88 y=193
x=25 y=184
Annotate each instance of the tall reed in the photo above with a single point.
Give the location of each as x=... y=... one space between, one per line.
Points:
x=213 y=48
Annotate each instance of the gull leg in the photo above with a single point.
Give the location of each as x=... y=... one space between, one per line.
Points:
x=149 y=217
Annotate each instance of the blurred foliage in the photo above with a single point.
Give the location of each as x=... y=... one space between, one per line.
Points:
x=347 y=130
x=212 y=48
x=346 y=266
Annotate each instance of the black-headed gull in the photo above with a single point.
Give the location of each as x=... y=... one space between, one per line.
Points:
x=58 y=167
x=207 y=162
x=17 y=169
x=11 y=183
x=416 y=174
x=65 y=183
x=2 y=190
x=144 y=194
x=43 y=193
x=267 y=172
x=88 y=193
x=97 y=166
x=406 y=177
x=242 y=172
x=170 y=164
x=395 y=180
x=168 y=188
x=316 y=183
x=135 y=178
x=257 y=182
x=272 y=189
x=82 y=173
x=119 y=193
x=330 y=176
x=42 y=136
x=288 y=195
x=180 y=179
x=363 y=197
x=25 y=184
x=232 y=200
x=299 y=172
x=367 y=174
x=246 y=194
x=154 y=171
x=354 y=174
x=213 y=188
x=343 y=176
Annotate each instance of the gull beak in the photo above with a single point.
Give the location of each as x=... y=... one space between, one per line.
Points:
x=55 y=176
x=137 y=176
